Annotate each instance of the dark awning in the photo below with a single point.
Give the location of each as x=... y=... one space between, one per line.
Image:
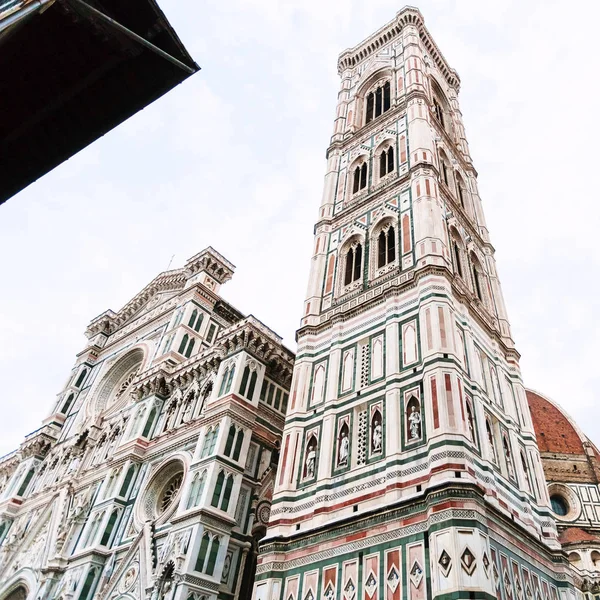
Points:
x=71 y=70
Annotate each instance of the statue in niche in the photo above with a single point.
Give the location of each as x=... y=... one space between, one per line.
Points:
x=377 y=434
x=343 y=446
x=414 y=421
x=311 y=459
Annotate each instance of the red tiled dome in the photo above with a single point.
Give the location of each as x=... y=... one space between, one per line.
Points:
x=553 y=430
x=575 y=535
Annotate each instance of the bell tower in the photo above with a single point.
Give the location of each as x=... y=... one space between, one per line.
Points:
x=409 y=466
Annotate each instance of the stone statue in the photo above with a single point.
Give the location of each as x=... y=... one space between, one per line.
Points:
x=344 y=449
x=377 y=437
x=311 y=458
x=414 y=420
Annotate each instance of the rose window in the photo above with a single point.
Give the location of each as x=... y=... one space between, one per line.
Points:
x=170 y=492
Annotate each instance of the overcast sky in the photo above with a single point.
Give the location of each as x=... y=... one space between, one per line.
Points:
x=235 y=157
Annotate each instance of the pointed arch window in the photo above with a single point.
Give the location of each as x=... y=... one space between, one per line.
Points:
x=150 y=422
x=224 y=381
x=386 y=162
x=218 y=489
x=81 y=378
x=525 y=472
x=212 y=557
x=353 y=264
x=210 y=442
x=107 y=535
x=127 y=481
x=67 y=405
x=183 y=344
x=245 y=377
x=196 y=489
x=201 y=560
x=438 y=111
x=457 y=259
x=378 y=102
x=227 y=493
x=229 y=380
x=386 y=247
x=477 y=281
x=196 y=319
x=238 y=445
x=230 y=439
x=491 y=441
x=360 y=178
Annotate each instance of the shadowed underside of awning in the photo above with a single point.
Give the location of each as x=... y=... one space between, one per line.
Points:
x=71 y=70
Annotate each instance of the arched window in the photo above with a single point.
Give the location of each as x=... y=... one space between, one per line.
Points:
x=25 y=484
x=193 y=318
x=252 y=385
x=229 y=380
x=190 y=348
x=229 y=442
x=202 y=553
x=245 y=377
x=360 y=178
x=107 y=535
x=81 y=378
x=525 y=472
x=149 y=422
x=438 y=111
x=491 y=441
x=353 y=264
x=508 y=456
x=210 y=441
x=224 y=381
x=212 y=557
x=227 y=493
x=477 y=277
x=218 y=489
x=457 y=259
x=460 y=189
x=471 y=423
x=127 y=481
x=238 y=445
x=386 y=247
x=386 y=162
x=378 y=101
x=67 y=405
x=88 y=589
x=183 y=344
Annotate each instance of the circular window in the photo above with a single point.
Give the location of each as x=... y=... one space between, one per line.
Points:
x=564 y=502
x=162 y=493
x=169 y=492
x=559 y=505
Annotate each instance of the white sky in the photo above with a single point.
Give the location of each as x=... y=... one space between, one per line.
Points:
x=235 y=158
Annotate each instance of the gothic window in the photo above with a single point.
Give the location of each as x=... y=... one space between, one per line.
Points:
x=238 y=445
x=386 y=247
x=230 y=439
x=149 y=422
x=245 y=377
x=438 y=111
x=471 y=423
x=460 y=190
x=378 y=101
x=170 y=415
x=202 y=553
x=107 y=535
x=353 y=264
x=87 y=592
x=477 y=277
x=247 y=389
x=227 y=493
x=210 y=440
x=195 y=320
x=25 y=484
x=457 y=260
x=212 y=557
x=81 y=378
x=445 y=169
x=196 y=489
x=211 y=333
x=360 y=178
x=386 y=162
x=127 y=481
x=525 y=472
x=183 y=344
x=67 y=405
x=318 y=384
x=190 y=348
x=491 y=441
x=222 y=494
x=508 y=456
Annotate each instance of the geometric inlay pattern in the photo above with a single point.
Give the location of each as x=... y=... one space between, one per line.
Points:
x=467 y=561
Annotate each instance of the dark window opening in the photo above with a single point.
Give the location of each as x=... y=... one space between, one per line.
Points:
x=386 y=247
x=378 y=102
x=353 y=264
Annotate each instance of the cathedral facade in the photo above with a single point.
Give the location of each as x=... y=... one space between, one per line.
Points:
x=152 y=476
x=409 y=465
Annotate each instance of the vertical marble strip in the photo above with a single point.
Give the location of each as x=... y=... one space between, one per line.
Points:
x=434 y=403
x=450 y=401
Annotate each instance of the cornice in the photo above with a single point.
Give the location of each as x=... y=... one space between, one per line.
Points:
x=408 y=16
